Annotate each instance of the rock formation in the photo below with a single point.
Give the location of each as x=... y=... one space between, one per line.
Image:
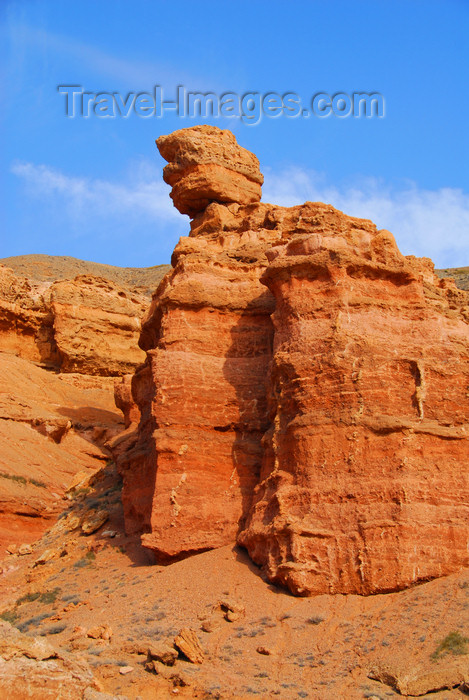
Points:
x=51 y=428
x=206 y=165
x=304 y=390
x=96 y=326
x=54 y=425
x=369 y=419
x=77 y=323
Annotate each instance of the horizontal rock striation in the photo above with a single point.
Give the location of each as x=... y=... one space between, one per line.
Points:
x=364 y=487
x=89 y=324
x=304 y=391
x=205 y=164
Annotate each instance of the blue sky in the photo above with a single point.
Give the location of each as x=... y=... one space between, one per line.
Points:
x=92 y=188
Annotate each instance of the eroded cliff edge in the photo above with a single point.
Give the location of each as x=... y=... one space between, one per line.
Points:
x=304 y=392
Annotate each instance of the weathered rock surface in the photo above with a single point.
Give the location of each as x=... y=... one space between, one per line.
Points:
x=45 y=269
x=205 y=164
x=125 y=401
x=188 y=643
x=96 y=326
x=83 y=323
x=332 y=437
x=201 y=395
x=413 y=679
x=369 y=412
x=31 y=668
x=26 y=323
x=52 y=426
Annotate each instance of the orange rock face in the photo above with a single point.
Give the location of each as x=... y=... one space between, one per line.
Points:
x=201 y=393
x=207 y=165
x=305 y=391
x=364 y=487
x=26 y=323
x=89 y=324
x=96 y=326
x=52 y=426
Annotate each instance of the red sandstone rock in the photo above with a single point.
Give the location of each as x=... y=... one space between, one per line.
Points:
x=89 y=324
x=35 y=466
x=207 y=165
x=363 y=487
x=335 y=457
x=124 y=400
x=32 y=668
x=26 y=323
x=96 y=325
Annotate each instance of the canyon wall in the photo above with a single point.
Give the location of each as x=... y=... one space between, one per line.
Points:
x=88 y=324
x=364 y=485
x=305 y=390
x=63 y=338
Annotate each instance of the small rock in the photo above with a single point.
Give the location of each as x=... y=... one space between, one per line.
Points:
x=55 y=428
x=12 y=548
x=150 y=667
x=178 y=680
x=78 y=631
x=124 y=670
x=25 y=549
x=100 y=632
x=230 y=604
x=231 y=616
x=72 y=522
x=264 y=650
x=210 y=625
x=93 y=521
x=84 y=643
x=109 y=533
x=46 y=556
x=163 y=652
x=232 y=610
x=139 y=648
x=188 y=643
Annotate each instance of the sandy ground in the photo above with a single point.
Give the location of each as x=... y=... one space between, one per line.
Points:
x=280 y=646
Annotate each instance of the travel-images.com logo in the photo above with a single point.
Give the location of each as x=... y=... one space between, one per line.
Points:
x=250 y=107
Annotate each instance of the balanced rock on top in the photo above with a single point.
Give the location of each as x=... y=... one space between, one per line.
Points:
x=205 y=164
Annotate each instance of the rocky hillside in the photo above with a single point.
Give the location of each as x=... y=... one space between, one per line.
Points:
x=51 y=268
x=459 y=274
x=74 y=322
x=57 y=314
x=52 y=427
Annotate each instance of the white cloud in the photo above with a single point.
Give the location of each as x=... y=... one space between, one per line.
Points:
x=424 y=222
x=431 y=223
x=147 y=196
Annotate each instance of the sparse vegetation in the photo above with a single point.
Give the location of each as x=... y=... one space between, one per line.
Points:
x=54 y=629
x=453 y=643
x=23 y=480
x=10 y=616
x=315 y=620
x=46 y=597
x=85 y=561
x=32 y=622
x=28 y=598
x=49 y=597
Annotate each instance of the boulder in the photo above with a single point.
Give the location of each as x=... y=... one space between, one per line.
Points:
x=205 y=164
